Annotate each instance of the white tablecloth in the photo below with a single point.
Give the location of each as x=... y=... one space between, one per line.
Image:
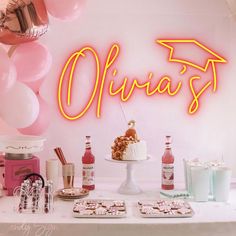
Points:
x=210 y=219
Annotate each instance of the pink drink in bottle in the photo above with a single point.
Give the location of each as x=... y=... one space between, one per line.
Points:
x=88 y=162
x=167 y=167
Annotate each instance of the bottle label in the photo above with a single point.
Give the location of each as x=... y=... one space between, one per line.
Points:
x=167 y=174
x=88 y=174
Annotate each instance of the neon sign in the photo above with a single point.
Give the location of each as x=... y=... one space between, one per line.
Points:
x=163 y=85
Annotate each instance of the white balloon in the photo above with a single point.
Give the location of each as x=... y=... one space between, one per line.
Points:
x=19 y=107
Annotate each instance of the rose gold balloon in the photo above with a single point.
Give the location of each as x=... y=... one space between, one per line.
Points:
x=22 y=21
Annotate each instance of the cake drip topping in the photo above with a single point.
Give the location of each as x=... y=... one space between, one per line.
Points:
x=121 y=143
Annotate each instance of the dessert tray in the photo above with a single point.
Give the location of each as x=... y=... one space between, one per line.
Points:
x=94 y=208
x=165 y=209
x=72 y=193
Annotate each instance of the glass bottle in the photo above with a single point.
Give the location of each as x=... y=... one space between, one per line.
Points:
x=88 y=161
x=167 y=167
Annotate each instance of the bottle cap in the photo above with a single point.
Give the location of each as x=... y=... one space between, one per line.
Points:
x=88 y=142
x=168 y=139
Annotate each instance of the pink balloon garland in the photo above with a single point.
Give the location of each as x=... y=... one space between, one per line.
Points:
x=20 y=83
x=13 y=108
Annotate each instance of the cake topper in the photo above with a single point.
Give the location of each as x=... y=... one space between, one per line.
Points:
x=131 y=132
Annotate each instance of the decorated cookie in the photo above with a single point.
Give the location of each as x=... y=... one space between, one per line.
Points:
x=100 y=211
x=86 y=212
x=119 y=203
x=79 y=208
x=107 y=204
x=91 y=206
x=120 y=208
x=184 y=211
x=145 y=209
x=151 y=211
x=165 y=208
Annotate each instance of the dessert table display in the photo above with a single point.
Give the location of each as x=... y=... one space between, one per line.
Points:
x=54 y=202
x=203 y=206
x=210 y=218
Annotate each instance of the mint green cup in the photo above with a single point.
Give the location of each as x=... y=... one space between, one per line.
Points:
x=200 y=183
x=221 y=183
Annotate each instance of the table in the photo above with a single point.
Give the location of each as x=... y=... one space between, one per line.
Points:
x=211 y=218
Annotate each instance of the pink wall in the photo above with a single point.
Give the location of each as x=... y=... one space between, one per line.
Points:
x=135 y=24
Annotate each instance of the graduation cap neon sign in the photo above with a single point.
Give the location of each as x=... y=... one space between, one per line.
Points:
x=164 y=85
x=210 y=61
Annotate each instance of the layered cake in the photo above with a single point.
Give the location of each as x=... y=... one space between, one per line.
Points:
x=128 y=147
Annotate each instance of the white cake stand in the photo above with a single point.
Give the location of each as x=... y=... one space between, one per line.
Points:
x=129 y=186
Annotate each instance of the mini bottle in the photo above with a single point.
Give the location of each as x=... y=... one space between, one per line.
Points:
x=88 y=162
x=167 y=167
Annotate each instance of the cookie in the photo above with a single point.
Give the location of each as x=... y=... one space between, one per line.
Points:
x=87 y=212
x=79 y=208
x=100 y=211
x=107 y=204
x=165 y=208
x=119 y=203
x=121 y=208
x=145 y=209
x=184 y=211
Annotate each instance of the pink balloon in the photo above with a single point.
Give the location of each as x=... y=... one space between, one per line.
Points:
x=32 y=61
x=19 y=107
x=65 y=9
x=7 y=72
x=35 y=85
x=42 y=122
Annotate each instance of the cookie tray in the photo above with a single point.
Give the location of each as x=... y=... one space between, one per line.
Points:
x=163 y=215
x=79 y=215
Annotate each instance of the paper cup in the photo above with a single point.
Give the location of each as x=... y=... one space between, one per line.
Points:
x=200 y=183
x=187 y=171
x=221 y=183
x=212 y=165
x=52 y=172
